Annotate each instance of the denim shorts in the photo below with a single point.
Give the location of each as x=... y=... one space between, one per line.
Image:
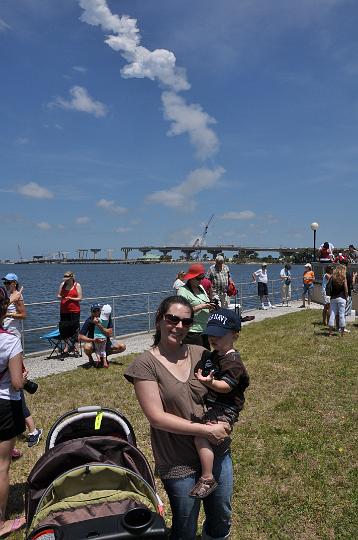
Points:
x=307 y=288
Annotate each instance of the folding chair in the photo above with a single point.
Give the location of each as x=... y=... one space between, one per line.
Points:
x=59 y=340
x=55 y=341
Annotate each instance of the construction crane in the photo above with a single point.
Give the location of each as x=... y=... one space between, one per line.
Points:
x=199 y=242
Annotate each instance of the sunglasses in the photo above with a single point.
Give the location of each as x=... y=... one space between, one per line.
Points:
x=6 y=282
x=174 y=319
x=66 y=277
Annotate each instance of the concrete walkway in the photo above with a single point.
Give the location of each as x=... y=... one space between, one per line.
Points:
x=39 y=366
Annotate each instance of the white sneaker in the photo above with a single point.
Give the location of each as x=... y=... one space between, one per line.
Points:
x=289 y=305
x=271 y=306
x=346 y=331
x=263 y=307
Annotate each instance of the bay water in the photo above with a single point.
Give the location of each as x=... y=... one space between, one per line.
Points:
x=134 y=290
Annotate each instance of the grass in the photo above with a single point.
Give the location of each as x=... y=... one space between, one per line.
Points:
x=293 y=449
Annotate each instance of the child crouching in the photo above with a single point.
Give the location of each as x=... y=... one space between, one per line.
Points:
x=226 y=377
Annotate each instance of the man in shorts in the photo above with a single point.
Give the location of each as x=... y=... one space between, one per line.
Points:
x=87 y=331
x=261 y=277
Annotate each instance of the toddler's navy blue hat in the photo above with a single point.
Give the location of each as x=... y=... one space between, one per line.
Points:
x=96 y=306
x=221 y=322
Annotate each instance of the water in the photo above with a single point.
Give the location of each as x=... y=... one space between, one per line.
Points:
x=41 y=283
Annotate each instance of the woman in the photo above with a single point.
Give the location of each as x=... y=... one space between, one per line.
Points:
x=70 y=293
x=12 y=422
x=338 y=289
x=179 y=281
x=326 y=299
x=170 y=397
x=195 y=293
x=16 y=312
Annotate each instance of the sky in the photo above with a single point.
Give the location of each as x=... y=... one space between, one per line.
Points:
x=132 y=122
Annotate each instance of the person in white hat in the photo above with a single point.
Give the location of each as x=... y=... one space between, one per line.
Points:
x=308 y=281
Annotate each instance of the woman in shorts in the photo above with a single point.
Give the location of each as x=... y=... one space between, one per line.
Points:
x=12 y=421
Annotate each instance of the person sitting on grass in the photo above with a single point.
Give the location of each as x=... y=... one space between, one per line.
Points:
x=224 y=374
x=87 y=335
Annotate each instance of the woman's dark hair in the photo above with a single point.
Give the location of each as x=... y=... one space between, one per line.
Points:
x=4 y=303
x=329 y=269
x=163 y=309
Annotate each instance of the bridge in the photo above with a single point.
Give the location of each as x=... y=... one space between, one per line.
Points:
x=242 y=251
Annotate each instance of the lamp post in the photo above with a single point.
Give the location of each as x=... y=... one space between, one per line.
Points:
x=314 y=227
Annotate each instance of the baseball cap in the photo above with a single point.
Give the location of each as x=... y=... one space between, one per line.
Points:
x=10 y=277
x=96 y=306
x=194 y=271
x=219 y=258
x=264 y=264
x=222 y=321
x=106 y=311
x=308 y=265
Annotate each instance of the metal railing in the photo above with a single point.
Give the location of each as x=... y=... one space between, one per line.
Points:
x=246 y=297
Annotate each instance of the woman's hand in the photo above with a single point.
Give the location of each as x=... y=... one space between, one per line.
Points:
x=218 y=432
x=25 y=374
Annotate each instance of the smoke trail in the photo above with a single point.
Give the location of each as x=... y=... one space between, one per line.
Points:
x=158 y=65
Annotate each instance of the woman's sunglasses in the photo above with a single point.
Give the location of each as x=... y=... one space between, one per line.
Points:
x=174 y=319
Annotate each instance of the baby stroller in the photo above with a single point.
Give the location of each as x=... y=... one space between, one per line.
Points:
x=92 y=482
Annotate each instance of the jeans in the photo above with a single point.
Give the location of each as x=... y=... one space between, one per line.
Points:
x=338 y=306
x=217 y=506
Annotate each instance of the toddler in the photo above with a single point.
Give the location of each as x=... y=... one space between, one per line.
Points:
x=100 y=338
x=225 y=375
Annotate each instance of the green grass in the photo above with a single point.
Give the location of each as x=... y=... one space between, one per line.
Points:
x=294 y=448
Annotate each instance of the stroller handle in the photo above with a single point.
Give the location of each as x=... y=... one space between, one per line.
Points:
x=89 y=408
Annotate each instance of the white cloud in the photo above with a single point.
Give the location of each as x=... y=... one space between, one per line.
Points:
x=122 y=229
x=111 y=206
x=244 y=214
x=34 y=190
x=182 y=195
x=159 y=65
x=193 y=120
x=81 y=101
x=22 y=140
x=3 y=26
x=80 y=69
x=43 y=225
x=82 y=220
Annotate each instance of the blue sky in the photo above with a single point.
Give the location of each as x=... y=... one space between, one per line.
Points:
x=131 y=122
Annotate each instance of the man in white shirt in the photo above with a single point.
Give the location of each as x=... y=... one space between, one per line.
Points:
x=285 y=276
x=261 y=277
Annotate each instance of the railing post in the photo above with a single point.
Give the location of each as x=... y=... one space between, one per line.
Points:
x=148 y=311
x=241 y=298
x=23 y=336
x=113 y=318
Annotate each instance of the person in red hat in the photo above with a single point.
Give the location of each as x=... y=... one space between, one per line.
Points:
x=195 y=293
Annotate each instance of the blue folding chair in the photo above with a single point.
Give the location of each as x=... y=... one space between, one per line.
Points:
x=59 y=344
x=55 y=341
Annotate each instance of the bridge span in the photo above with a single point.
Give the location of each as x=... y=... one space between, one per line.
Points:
x=242 y=251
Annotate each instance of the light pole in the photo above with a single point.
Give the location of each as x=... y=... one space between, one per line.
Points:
x=314 y=227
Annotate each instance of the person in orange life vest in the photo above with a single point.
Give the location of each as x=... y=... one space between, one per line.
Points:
x=308 y=281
